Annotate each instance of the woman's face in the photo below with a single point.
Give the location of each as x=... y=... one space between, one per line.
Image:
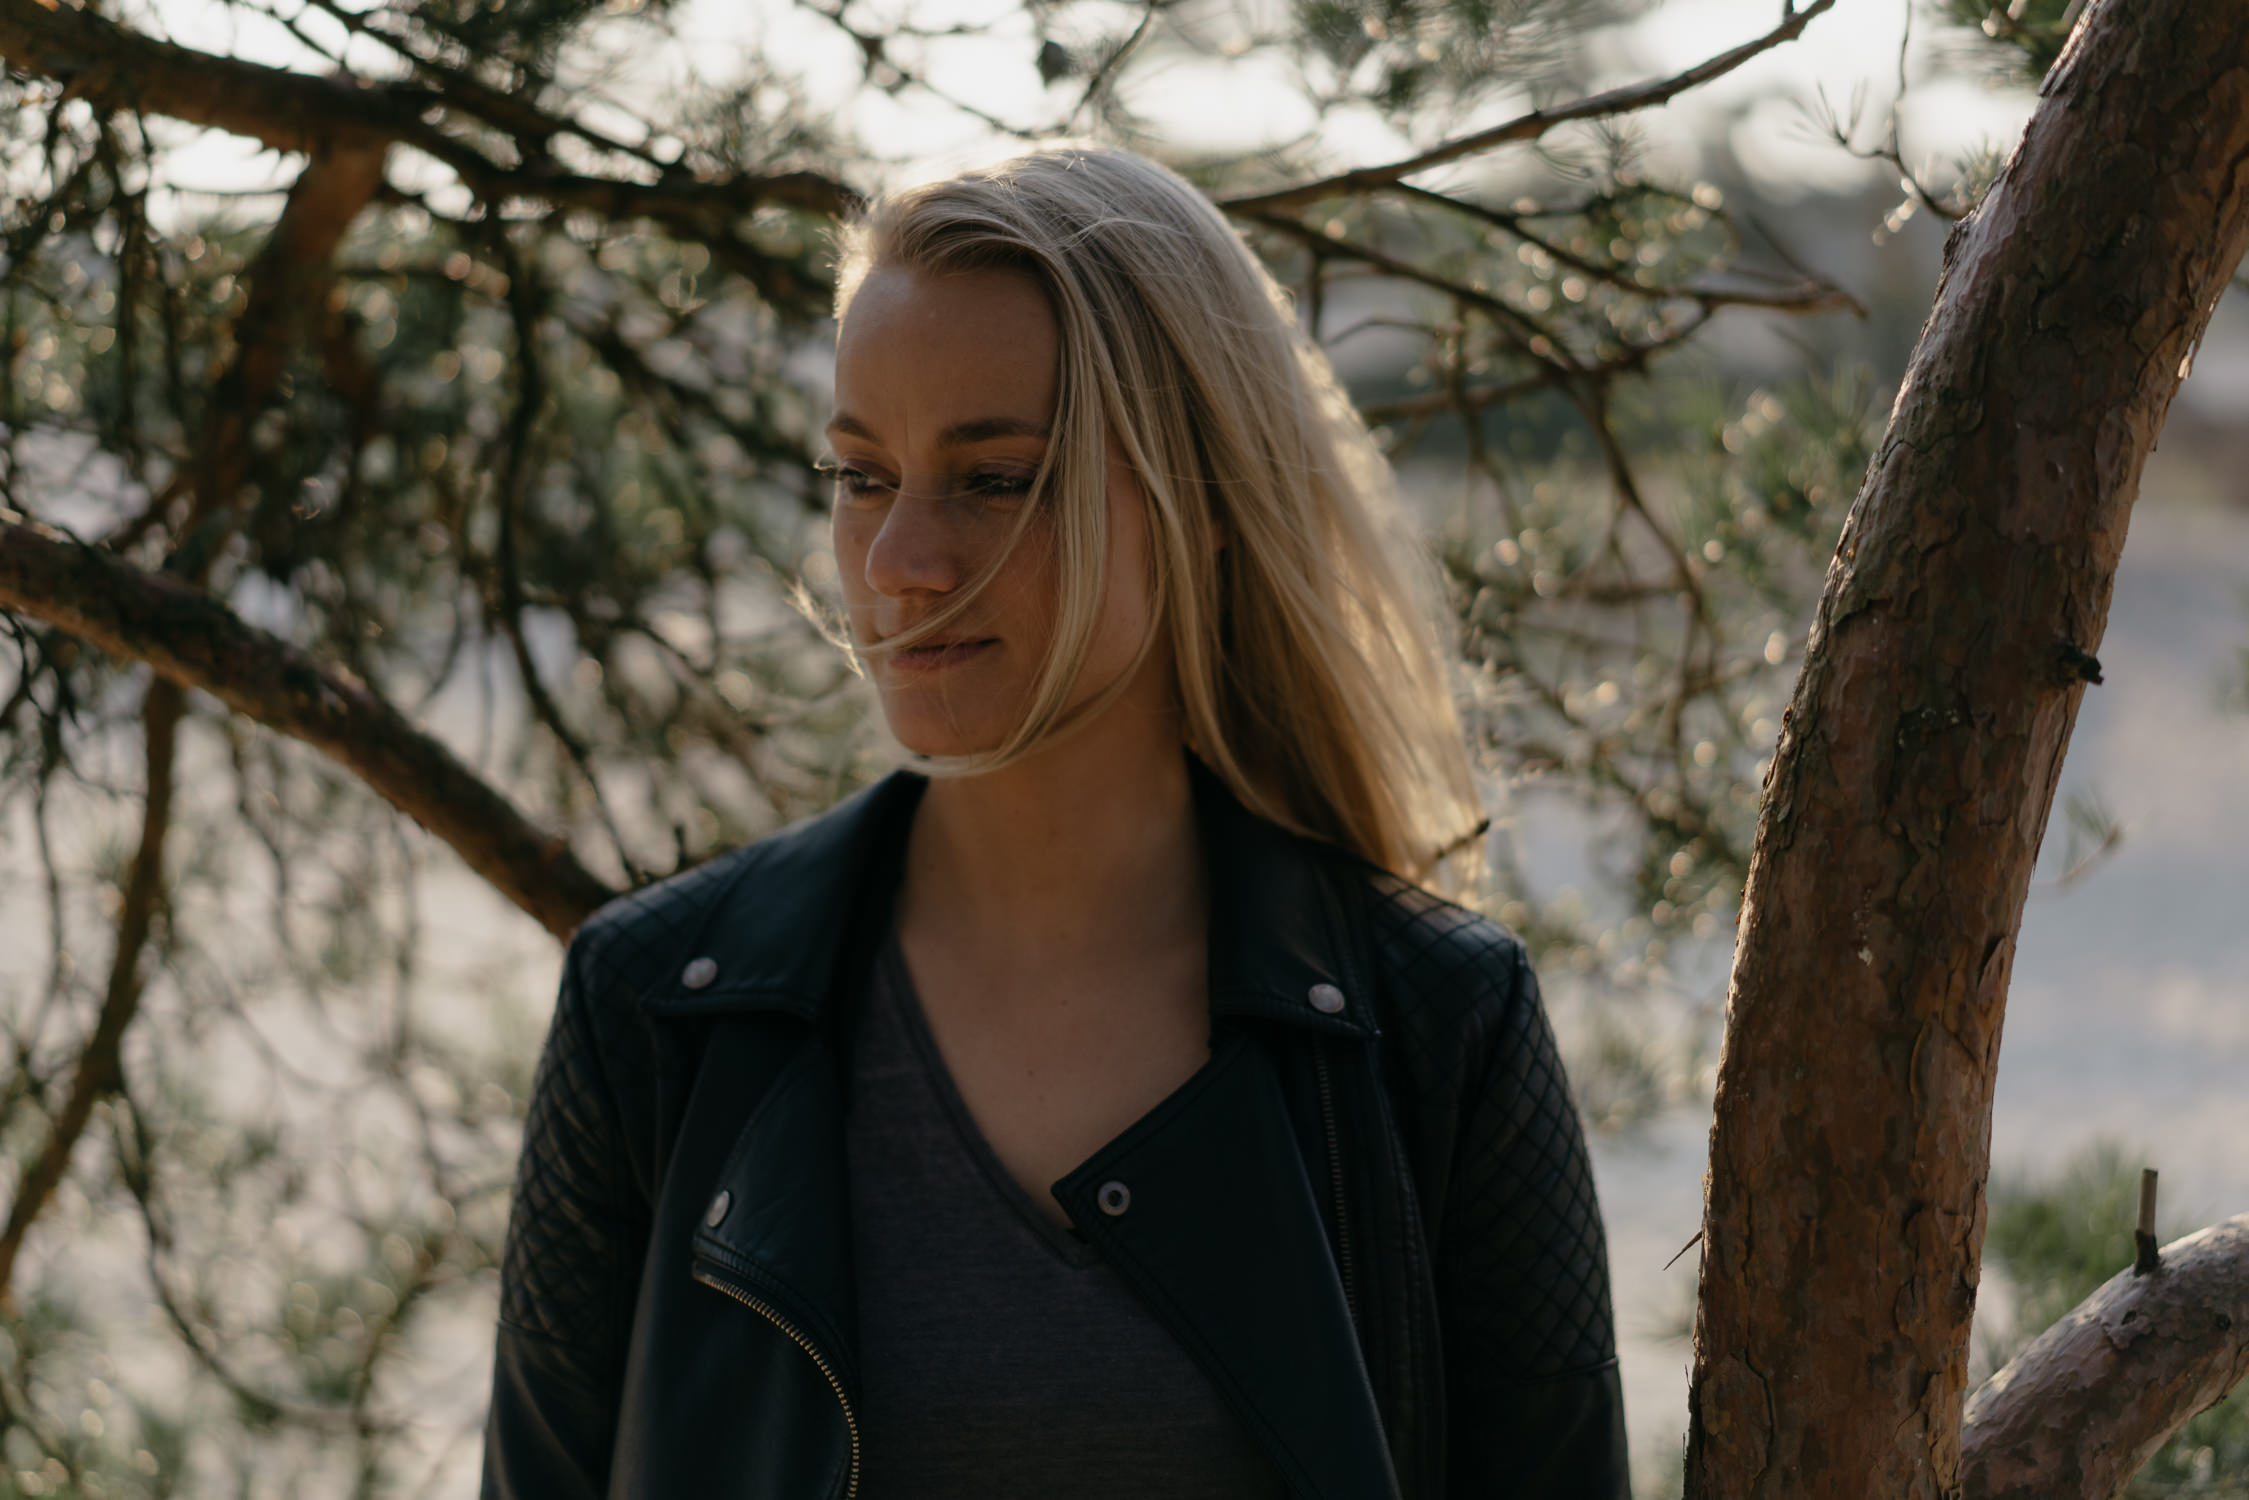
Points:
x=945 y=391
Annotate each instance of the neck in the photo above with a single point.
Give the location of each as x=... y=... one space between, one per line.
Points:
x=1086 y=848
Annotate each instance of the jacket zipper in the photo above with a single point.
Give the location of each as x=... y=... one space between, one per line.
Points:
x=766 y=1310
x=1335 y=1178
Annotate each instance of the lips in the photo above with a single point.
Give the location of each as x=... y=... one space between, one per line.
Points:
x=939 y=656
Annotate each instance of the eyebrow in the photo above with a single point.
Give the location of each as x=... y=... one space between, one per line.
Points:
x=959 y=435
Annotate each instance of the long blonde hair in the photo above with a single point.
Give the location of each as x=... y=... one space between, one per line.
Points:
x=1298 y=609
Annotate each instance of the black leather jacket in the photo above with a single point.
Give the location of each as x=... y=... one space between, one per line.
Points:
x=1374 y=1226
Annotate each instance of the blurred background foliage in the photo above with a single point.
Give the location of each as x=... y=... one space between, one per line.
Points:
x=532 y=455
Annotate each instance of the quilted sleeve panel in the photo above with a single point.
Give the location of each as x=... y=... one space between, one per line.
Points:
x=1537 y=1407
x=578 y=1224
x=572 y=1257
x=1534 y=1404
x=1526 y=1261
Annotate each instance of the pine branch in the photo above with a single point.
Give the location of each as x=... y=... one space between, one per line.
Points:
x=194 y=639
x=116 y=68
x=286 y=296
x=2091 y=1400
x=100 y=1064
x=1531 y=126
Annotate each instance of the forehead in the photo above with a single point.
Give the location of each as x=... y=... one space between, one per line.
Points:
x=918 y=354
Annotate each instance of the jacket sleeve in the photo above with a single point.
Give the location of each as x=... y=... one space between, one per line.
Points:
x=577 y=1231
x=1536 y=1409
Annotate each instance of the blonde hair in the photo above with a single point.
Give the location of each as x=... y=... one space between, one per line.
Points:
x=1299 y=612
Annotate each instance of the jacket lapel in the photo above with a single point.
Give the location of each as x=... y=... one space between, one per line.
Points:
x=1217 y=1229
x=729 y=1311
x=777 y=1226
x=775 y=938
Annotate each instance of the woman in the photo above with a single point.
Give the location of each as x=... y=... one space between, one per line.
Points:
x=1098 y=1109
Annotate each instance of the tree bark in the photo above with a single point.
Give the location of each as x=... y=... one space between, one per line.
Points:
x=2088 y=1403
x=194 y=639
x=1917 y=764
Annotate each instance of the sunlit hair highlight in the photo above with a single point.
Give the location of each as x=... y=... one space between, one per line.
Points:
x=1299 y=610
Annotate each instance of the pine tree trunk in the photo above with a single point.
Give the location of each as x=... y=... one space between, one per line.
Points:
x=1917 y=764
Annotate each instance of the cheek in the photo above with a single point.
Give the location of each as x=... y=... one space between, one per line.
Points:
x=1125 y=618
x=848 y=539
x=1024 y=589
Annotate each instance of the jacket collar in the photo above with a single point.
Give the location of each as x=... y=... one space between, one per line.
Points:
x=773 y=937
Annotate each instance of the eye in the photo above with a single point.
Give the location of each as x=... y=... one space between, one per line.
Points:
x=852 y=482
x=1000 y=484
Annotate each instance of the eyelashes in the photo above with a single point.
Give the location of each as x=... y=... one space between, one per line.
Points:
x=989 y=484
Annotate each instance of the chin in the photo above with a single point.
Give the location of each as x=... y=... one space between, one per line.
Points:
x=927 y=729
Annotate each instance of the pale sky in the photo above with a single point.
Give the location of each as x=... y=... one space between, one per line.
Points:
x=1231 y=105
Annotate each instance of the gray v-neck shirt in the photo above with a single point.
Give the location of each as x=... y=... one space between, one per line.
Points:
x=1000 y=1357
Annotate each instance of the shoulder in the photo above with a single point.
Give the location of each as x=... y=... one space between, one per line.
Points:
x=633 y=944
x=1455 y=985
x=754 y=927
x=602 y=1061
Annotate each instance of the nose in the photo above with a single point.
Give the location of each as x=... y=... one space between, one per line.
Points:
x=918 y=549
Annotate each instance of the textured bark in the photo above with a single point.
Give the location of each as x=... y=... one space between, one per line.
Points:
x=1917 y=764
x=2088 y=1403
x=194 y=639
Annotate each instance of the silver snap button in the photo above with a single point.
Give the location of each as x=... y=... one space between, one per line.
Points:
x=717 y=1210
x=1326 y=999
x=699 y=973
x=1114 y=1198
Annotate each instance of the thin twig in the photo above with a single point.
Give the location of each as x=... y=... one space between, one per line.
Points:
x=1531 y=126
